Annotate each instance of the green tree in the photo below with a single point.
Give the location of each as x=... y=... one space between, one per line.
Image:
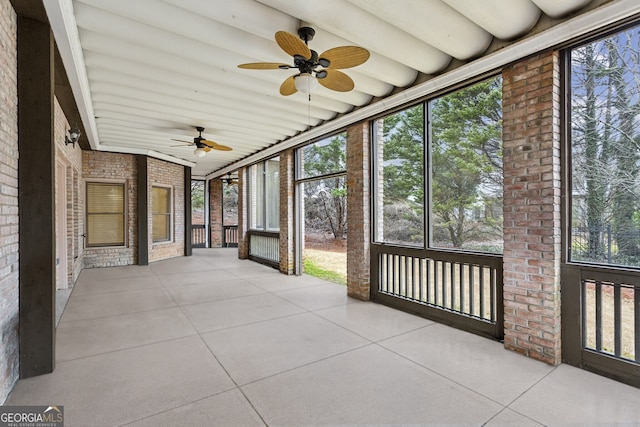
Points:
x=326 y=199
x=605 y=136
x=403 y=176
x=466 y=137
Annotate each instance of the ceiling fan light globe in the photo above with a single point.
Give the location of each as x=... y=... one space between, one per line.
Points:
x=199 y=152
x=306 y=83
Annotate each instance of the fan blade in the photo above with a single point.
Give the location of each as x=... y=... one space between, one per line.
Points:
x=288 y=87
x=264 y=66
x=182 y=140
x=215 y=145
x=206 y=149
x=346 y=56
x=292 y=44
x=337 y=80
x=221 y=147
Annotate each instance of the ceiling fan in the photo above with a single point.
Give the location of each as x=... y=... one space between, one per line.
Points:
x=203 y=146
x=313 y=68
x=230 y=181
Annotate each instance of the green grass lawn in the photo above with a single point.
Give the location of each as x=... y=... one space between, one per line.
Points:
x=313 y=269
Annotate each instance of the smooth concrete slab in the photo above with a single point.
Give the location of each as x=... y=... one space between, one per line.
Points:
x=216 y=315
x=213 y=291
x=92 y=287
x=317 y=297
x=354 y=363
x=94 y=336
x=229 y=408
x=572 y=396
x=123 y=386
x=281 y=282
x=259 y=350
x=373 y=321
x=109 y=273
x=509 y=418
x=193 y=278
x=471 y=360
x=367 y=386
x=254 y=271
x=95 y=306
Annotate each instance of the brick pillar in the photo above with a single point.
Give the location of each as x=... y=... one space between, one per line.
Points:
x=215 y=213
x=358 y=211
x=287 y=230
x=243 y=217
x=531 y=138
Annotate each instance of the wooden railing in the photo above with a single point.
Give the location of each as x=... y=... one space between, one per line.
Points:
x=198 y=236
x=463 y=289
x=264 y=247
x=230 y=236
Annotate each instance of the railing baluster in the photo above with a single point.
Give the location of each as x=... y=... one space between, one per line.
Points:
x=617 y=319
x=598 y=316
x=452 y=274
x=583 y=312
x=462 y=293
x=492 y=281
x=636 y=322
x=481 y=272
x=472 y=296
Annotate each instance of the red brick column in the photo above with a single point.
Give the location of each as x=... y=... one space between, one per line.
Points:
x=531 y=138
x=215 y=213
x=358 y=211
x=287 y=230
x=243 y=217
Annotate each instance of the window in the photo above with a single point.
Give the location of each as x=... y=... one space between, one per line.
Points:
x=105 y=214
x=161 y=213
x=466 y=168
x=264 y=195
x=605 y=150
x=321 y=175
x=459 y=204
x=325 y=157
x=400 y=177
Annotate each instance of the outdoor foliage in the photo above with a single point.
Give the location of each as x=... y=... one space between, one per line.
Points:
x=229 y=204
x=326 y=199
x=605 y=138
x=466 y=171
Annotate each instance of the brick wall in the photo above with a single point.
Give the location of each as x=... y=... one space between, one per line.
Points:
x=113 y=167
x=243 y=215
x=531 y=139
x=215 y=212
x=358 y=211
x=170 y=175
x=9 y=280
x=287 y=231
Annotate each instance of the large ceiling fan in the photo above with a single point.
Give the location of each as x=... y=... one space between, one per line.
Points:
x=203 y=146
x=313 y=68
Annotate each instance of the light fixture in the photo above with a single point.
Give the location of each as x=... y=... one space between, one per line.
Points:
x=199 y=152
x=305 y=82
x=74 y=136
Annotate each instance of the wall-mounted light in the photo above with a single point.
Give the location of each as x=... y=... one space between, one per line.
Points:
x=74 y=136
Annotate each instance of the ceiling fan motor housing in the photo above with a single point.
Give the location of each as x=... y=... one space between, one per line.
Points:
x=306 y=33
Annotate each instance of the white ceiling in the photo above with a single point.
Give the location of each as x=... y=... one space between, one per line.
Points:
x=145 y=72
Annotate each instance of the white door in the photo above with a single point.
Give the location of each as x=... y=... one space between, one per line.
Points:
x=62 y=281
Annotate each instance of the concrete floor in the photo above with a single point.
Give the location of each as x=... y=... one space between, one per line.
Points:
x=211 y=340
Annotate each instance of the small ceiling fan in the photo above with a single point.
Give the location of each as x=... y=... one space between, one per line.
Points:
x=313 y=68
x=203 y=146
x=230 y=181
